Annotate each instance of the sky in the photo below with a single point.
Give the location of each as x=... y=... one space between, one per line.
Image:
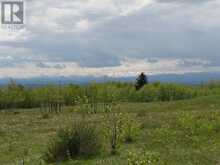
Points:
x=112 y=38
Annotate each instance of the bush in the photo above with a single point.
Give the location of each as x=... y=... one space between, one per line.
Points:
x=113 y=130
x=146 y=158
x=130 y=129
x=45 y=115
x=83 y=139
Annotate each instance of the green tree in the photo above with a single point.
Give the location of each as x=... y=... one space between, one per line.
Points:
x=141 y=81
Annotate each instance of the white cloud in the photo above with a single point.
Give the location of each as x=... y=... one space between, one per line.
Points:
x=60 y=16
x=128 y=67
x=83 y=25
x=8 y=34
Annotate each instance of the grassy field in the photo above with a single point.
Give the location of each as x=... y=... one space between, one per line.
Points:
x=180 y=132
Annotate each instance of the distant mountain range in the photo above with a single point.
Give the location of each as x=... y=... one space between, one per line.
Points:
x=188 y=78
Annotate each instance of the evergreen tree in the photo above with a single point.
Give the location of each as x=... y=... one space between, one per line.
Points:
x=141 y=81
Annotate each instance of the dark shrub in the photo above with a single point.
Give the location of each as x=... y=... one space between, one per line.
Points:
x=83 y=139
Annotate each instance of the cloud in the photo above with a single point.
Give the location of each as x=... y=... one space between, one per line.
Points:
x=83 y=24
x=184 y=1
x=14 y=35
x=98 y=36
x=128 y=67
x=67 y=16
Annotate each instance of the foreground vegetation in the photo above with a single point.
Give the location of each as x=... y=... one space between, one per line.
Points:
x=171 y=132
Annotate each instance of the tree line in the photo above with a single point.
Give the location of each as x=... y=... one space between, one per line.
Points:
x=18 y=96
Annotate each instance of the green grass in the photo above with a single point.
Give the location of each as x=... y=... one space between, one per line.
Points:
x=181 y=132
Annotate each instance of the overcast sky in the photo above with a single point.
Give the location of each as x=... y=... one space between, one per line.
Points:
x=113 y=37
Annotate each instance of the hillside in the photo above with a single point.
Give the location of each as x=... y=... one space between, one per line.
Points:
x=178 y=132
